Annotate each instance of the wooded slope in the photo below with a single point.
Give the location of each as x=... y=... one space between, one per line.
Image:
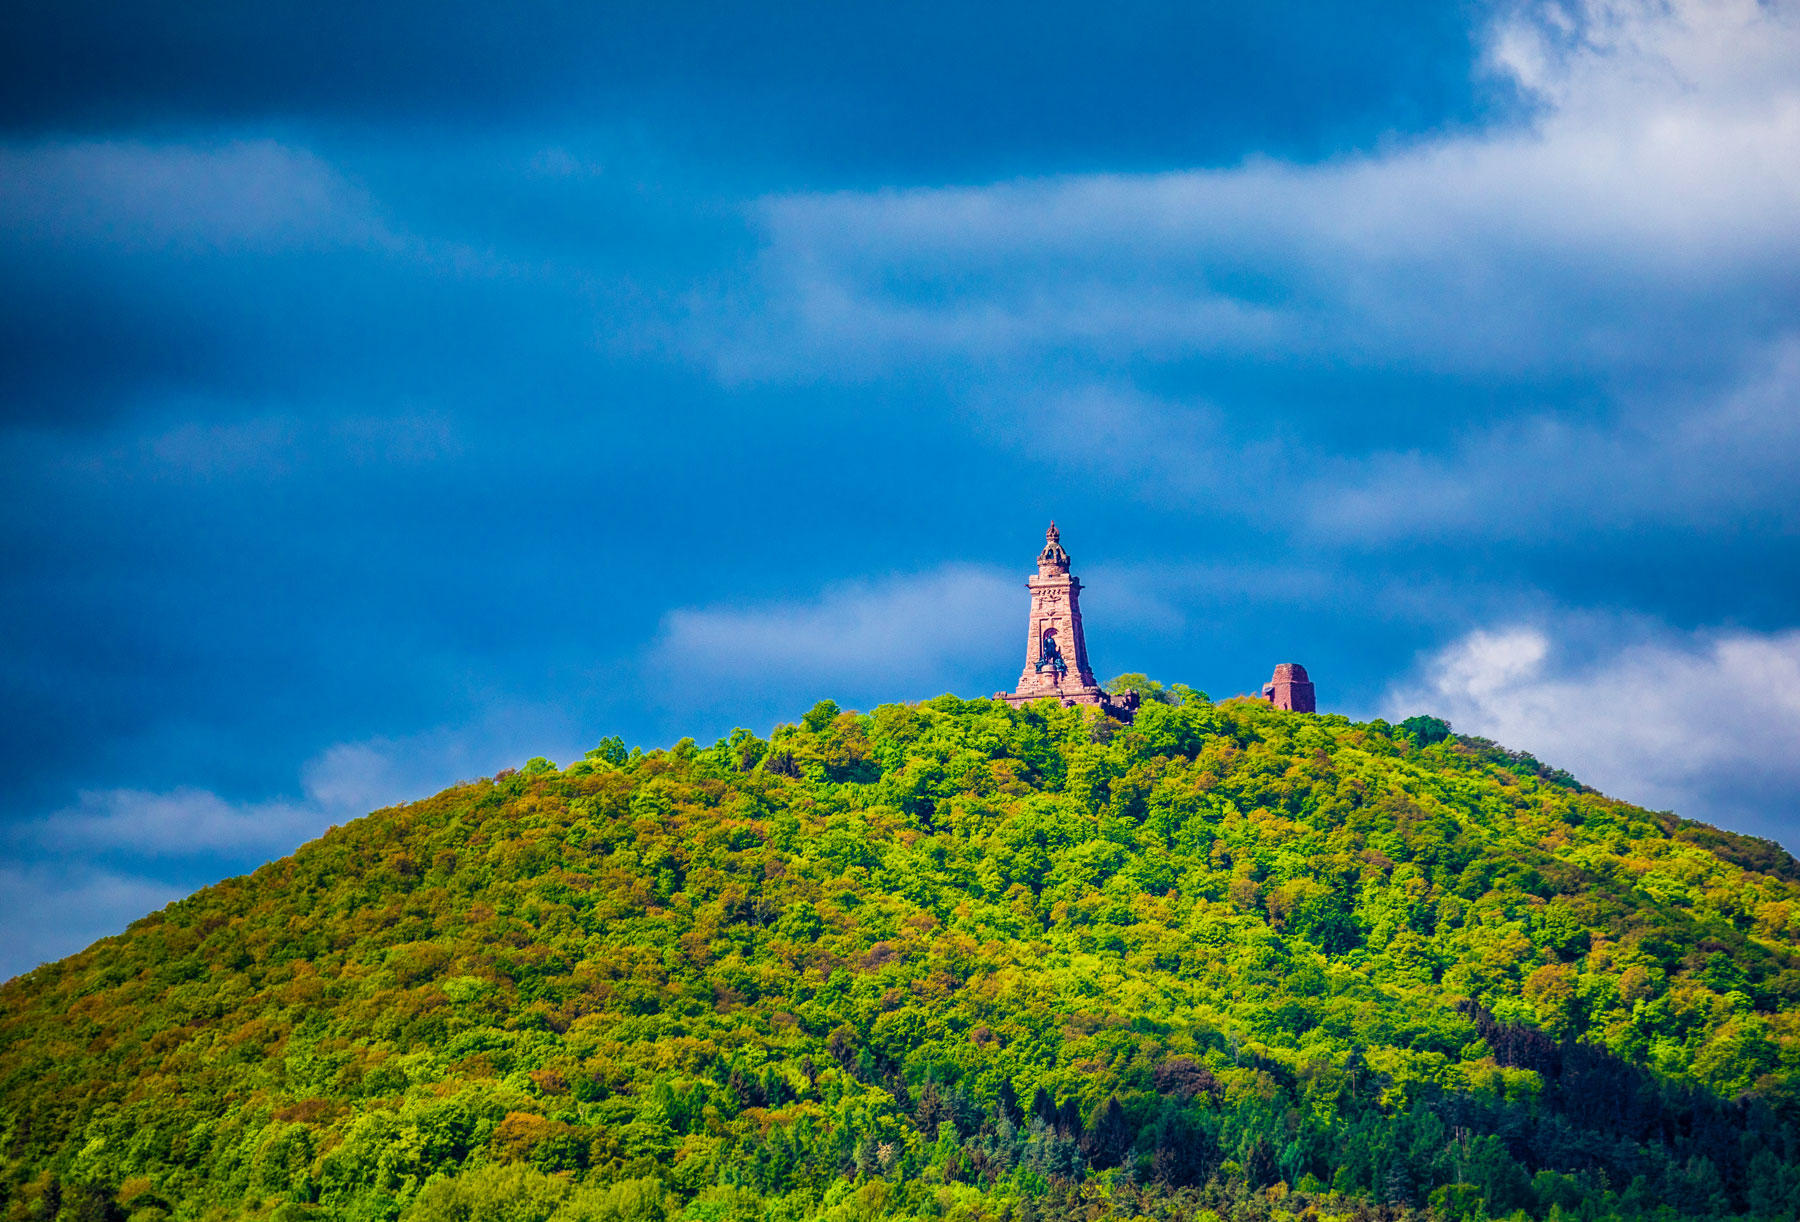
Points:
x=951 y=959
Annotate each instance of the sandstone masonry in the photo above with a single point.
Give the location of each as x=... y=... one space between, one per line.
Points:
x=1290 y=689
x=1056 y=661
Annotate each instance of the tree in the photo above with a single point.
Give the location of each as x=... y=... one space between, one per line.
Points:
x=1425 y=730
x=1109 y=1137
x=1148 y=689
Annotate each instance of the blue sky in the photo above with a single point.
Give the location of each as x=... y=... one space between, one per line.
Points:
x=389 y=396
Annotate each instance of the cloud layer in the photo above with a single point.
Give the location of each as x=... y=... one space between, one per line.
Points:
x=1665 y=162
x=244 y=196
x=1635 y=239
x=49 y=909
x=344 y=782
x=1703 y=725
x=908 y=634
x=115 y=854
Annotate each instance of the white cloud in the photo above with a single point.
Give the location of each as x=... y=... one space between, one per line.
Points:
x=1639 y=230
x=50 y=909
x=179 y=822
x=1704 y=463
x=89 y=869
x=906 y=631
x=238 y=196
x=1703 y=725
x=1666 y=161
x=341 y=783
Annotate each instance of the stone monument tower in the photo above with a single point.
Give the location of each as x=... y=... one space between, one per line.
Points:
x=1290 y=688
x=1056 y=661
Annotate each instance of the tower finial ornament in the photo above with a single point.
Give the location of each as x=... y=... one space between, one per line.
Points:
x=1053 y=559
x=1056 y=661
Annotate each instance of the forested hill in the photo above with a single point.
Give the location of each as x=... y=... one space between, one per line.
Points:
x=945 y=960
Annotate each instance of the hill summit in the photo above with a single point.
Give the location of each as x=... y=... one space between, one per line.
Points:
x=960 y=959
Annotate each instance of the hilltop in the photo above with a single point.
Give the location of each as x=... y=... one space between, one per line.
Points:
x=955 y=959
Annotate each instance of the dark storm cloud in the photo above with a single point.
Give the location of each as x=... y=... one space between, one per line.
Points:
x=862 y=89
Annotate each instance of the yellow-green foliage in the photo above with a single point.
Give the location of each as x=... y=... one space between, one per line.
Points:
x=950 y=959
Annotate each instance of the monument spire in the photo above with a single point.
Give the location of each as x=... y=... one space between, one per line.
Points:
x=1056 y=661
x=1053 y=559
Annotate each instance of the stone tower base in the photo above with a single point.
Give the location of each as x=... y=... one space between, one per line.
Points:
x=1121 y=707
